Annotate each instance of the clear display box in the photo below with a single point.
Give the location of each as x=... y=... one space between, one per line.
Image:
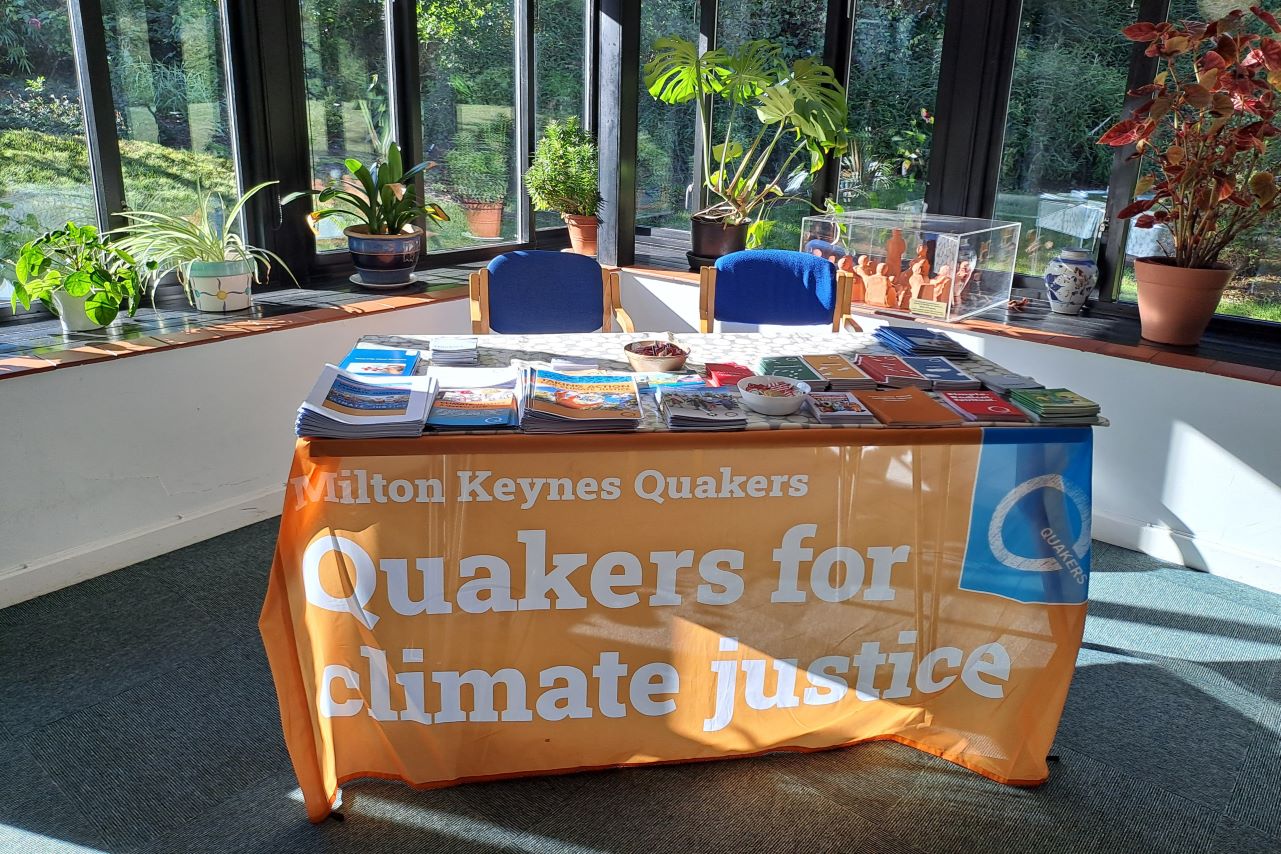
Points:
x=926 y=265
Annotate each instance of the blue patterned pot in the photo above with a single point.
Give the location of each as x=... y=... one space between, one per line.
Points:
x=1070 y=279
x=384 y=259
x=221 y=286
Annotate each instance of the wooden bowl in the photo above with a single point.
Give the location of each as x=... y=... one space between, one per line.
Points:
x=651 y=364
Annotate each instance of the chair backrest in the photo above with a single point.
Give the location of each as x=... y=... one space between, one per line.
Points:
x=775 y=286
x=532 y=291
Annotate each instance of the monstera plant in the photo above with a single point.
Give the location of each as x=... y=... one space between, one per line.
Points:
x=781 y=121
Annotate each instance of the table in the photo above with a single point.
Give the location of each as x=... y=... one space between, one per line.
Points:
x=469 y=607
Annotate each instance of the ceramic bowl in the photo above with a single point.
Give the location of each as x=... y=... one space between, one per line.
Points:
x=647 y=364
x=789 y=395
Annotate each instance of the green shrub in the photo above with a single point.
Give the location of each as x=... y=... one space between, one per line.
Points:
x=480 y=161
x=565 y=174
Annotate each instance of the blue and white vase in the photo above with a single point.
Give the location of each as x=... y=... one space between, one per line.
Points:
x=1070 y=279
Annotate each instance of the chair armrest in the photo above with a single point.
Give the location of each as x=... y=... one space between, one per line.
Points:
x=624 y=319
x=849 y=324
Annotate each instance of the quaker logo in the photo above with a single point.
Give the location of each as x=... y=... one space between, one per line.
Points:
x=1029 y=537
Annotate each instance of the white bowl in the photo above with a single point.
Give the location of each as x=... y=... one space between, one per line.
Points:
x=770 y=405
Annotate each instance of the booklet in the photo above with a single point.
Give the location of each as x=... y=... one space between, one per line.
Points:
x=383 y=361
x=892 y=371
x=840 y=372
x=473 y=408
x=982 y=406
x=343 y=406
x=838 y=407
x=792 y=367
x=708 y=409
x=553 y=402
x=908 y=407
x=942 y=373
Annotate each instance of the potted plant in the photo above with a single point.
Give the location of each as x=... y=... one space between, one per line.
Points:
x=213 y=263
x=479 y=171
x=79 y=277
x=795 y=116
x=565 y=177
x=1204 y=125
x=385 y=243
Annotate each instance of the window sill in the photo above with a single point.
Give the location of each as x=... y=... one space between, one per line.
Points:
x=33 y=343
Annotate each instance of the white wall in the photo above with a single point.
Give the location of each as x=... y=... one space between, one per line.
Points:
x=109 y=463
x=1189 y=471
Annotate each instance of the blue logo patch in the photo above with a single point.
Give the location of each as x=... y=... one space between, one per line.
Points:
x=1029 y=537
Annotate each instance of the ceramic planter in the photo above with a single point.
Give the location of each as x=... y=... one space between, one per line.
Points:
x=221 y=286
x=1176 y=303
x=384 y=259
x=484 y=219
x=582 y=233
x=71 y=313
x=712 y=239
x=1069 y=280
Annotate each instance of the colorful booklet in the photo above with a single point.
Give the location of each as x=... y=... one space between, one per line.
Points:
x=1003 y=382
x=473 y=408
x=726 y=374
x=568 y=403
x=941 y=373
x=918 y=341
x=655 y=380
x=840 y=372
x=381 y=361
x=344 y=406
x=792 y=367
x=708 y=409
x=982 y=406
x=1055 y=405
x=838 y=407
x=908 y=407
x=892 y=371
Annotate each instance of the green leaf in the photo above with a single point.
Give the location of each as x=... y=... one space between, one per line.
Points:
x=395 y=166
x=78 y=283
x=725 y=152
x=102 y=307
x=677 y=73
x=776 y=104
x=758 y=232
x=750 y=69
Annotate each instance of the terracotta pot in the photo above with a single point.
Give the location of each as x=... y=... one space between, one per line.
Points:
x=582 y=233
x=384 y=259
x=484 y=219
x=1176 y=303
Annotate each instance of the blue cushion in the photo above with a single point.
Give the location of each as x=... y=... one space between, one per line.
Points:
x=775 y=286
x=532 y=291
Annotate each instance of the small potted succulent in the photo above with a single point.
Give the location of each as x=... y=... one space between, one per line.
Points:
x=213 y=263
x=565 y=177
x=1204 y=125
x=78 y=276
x=385 y=243
x=480 y=173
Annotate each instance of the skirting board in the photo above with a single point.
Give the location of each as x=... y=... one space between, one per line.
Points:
x=63 y=569
x=1261 y=571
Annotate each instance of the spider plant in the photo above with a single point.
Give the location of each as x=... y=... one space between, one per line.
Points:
x=164 y=242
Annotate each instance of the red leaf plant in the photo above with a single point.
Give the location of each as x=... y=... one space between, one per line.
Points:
x=1205 y=124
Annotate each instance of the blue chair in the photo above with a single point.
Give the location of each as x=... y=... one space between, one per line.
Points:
x=775 y=286
x=533 y=291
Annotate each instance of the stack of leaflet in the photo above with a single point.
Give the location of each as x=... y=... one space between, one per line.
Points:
x=473 y=398
x=918 y=341
x=707 y=409
x=378 y=360
x=454 y=351
x=942 y=373
x=1055 y=405
x=652 y=381
x=892 y=371
x=792 y=367
x=726 y=374
x=838 y=408
x=553 y=402
x=1002 y=382
x=839 y=372
x=982 y=406
x=345 y=406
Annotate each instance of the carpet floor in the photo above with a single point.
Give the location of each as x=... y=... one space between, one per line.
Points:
x=137 y=714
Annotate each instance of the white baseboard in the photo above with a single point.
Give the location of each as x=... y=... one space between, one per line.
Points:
x=63 y=569
x=1261 y=571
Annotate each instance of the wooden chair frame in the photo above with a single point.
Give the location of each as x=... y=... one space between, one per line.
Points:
x=841 y=317
x=478 y=292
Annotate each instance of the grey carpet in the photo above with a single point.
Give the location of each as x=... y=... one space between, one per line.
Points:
x=137 y=715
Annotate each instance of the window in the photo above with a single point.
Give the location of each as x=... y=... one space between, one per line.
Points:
x=1069 y=83
x=168 y=81
x=893 y=83
x=559 y=46
x=467 y=71
x=665 y=192
x=798 y=27
x=44 y=166
x=345 y=68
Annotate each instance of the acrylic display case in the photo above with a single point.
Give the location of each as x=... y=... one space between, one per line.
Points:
x=927 y=265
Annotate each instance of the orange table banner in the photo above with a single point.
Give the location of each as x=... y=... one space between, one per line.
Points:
x=451 y=609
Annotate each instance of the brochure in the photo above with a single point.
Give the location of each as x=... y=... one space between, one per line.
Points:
x=383 y=361
x=473 y=408
x=343 y=406
x=553 y=402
